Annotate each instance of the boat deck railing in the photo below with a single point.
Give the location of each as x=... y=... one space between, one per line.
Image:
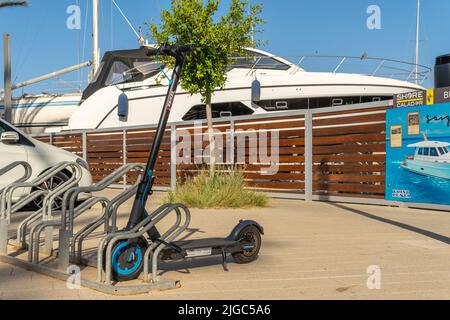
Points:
x=371 y=66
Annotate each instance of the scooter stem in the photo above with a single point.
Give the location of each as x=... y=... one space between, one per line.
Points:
x=138 y=212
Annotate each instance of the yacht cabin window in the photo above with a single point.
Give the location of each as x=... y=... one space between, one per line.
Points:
x=426 y=152
x=434 y=152
x=420 y=152
x=117 y=74
x=314 y=103
x=219 y=110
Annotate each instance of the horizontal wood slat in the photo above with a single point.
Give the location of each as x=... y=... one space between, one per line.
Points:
x=348 y=152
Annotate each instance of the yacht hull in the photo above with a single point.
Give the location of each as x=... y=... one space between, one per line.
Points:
x=428 y=168
x=35 y=114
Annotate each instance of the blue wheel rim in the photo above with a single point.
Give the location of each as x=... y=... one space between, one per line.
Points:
x=115 y=259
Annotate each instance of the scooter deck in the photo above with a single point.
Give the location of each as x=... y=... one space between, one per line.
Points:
x=204 y=243
x=200 y=248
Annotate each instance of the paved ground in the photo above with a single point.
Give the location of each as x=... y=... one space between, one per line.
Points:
x=310 y=251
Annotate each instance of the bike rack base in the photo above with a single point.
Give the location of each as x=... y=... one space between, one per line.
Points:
x=119 y=290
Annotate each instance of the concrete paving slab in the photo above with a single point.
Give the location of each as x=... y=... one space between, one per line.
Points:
x=311 y=250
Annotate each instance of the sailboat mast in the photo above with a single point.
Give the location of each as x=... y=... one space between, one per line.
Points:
x=417 y=42
x=95 y=47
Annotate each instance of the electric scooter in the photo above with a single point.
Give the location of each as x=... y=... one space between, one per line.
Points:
x=243 y=243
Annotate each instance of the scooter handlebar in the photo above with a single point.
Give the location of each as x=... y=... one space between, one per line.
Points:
x=175 y=50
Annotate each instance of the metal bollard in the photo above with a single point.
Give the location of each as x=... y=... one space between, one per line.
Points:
x=3 y=236
x=48 y=245
x=63 y=251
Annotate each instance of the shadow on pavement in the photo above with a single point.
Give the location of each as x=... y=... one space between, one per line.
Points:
x=405 y=226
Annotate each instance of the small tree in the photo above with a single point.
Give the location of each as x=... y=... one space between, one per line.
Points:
x=216 y=39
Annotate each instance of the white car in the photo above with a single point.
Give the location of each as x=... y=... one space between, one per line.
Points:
x=17 y=146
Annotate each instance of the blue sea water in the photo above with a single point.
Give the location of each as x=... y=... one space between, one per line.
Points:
x=421 y=189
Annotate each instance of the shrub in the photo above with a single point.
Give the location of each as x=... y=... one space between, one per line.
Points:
x=223 y=190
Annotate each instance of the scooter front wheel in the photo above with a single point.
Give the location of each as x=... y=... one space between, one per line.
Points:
x=127 y=259
x=250 y=241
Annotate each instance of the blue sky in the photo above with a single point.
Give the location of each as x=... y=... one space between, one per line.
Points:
x=42 y=43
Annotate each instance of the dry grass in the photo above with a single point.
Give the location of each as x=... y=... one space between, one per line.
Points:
x=224 y=190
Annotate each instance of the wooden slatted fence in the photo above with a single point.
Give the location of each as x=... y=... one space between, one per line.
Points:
x=343 y=146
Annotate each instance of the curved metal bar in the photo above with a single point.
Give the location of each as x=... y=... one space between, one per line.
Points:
x=27 y=171
x=108 y=237
x=99 y=186
x=155 y=218
x=170 y=237
x=111 y=207
x=62 y=188
x=33 y=248
x=78 y=236
x=8 y=192
x=23 y=226
x=116 y=204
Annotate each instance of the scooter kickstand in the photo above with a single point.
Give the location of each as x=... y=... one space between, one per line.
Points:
x=224 y=261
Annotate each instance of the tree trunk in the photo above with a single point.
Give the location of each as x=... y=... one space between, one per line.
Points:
x=212 y=140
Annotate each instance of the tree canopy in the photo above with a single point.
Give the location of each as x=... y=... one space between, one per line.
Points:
x=196 y=22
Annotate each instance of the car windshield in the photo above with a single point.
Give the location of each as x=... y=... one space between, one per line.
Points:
x=2 y=127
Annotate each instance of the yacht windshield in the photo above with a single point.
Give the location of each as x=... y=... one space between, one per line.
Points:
x=257 y=61
x=117 y=74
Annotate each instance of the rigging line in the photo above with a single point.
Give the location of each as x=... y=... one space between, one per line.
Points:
x=126 y=19
x=85 y=32
x=79 y=46
x=111 y=27
x=104 y=40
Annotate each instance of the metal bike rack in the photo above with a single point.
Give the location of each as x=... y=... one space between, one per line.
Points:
x=49 y=198
x=4 y=222
x=70 y=249
x=68 y=241
x=140 y=230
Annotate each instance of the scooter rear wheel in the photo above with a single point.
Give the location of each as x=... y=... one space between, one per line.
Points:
x=250 y=239
x=128 y=259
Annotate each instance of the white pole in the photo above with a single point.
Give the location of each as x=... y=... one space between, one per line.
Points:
x=417 y=41
x=95 y=48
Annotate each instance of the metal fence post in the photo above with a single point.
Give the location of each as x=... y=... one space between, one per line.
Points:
x=84 y=135
x=173 y=156
x=124 y=154
x=231 y=144
x=308 y=155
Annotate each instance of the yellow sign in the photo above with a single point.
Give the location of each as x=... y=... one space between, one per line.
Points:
x=430 y=96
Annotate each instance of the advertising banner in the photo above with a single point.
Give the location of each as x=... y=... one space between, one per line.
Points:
x=418 y=154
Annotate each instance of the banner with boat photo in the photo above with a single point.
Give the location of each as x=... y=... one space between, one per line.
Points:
x=418 y=154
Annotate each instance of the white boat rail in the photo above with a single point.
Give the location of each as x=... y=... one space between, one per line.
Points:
x=371 y=66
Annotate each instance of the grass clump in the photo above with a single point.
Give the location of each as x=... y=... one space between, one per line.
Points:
x=223 y=190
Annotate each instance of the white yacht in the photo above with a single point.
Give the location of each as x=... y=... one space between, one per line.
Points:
x=36 y=113
x=284 y=86
x=431 y=158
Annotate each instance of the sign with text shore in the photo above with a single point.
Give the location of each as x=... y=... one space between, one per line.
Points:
x=422 y=97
